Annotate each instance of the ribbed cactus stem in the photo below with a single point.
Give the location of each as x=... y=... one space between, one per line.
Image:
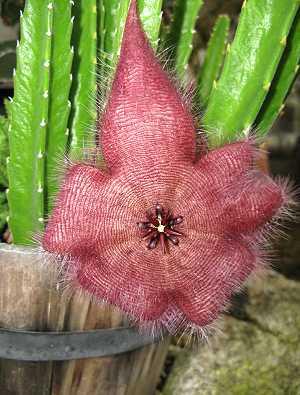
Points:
x=115 y=12
x=151 y=14
x=5 y=130
x=249 y=68
x=29 y=121
x=182 y=30
x=43 y=125
x=58 y=93
x=286 y=73
x=101 y=27
x=84 y=70
x=210 y=70
x=112 y=21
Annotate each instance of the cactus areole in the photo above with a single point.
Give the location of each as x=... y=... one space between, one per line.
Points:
x=165 y=235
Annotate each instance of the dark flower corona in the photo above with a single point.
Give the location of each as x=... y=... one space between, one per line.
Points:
x=162 y=233
x=160 y=228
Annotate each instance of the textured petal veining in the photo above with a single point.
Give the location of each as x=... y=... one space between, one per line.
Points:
x=164 y=237
x=145 y=123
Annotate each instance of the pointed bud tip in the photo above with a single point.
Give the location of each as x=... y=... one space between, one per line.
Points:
x=140 y=90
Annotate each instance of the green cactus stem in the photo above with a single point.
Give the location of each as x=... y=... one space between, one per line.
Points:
x=284 y=78
x=249 y=68
x=115 y=13
x=101 y=27
x=112 y=20
x=83 y=91
x=182 y=31
x=211 y=68
x=29 y=122
x=151 y=13
x=58 y=94
x=172 y=31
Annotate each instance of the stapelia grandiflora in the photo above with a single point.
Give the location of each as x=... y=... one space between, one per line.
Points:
x=165 y=235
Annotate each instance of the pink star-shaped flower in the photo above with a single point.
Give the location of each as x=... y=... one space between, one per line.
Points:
x=164 y=235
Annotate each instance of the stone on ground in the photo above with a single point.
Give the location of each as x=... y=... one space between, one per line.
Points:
x=256 y=354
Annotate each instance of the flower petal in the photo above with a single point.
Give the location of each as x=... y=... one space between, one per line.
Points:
x=92 y=211
x=226 y=164
x=200 y=196
x=120 y=276
x=216 y=170
x=215 y=272
x=253 y=203
x=156 y=184
x=72 y=225
x=146 y=123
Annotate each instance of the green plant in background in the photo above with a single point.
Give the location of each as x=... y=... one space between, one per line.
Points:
x=82 y=95
x=112 y=21
x=285 y=75
x=249 y=67
x=39 y=112
x=67 y=47
x=211 y=67
x=181 y=32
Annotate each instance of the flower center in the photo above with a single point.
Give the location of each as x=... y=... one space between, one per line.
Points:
x=160 y=228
